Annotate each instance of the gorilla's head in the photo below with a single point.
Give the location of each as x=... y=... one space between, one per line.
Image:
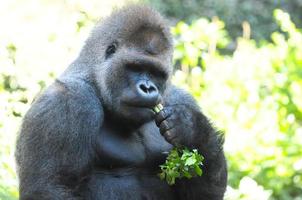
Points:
x=130 y=53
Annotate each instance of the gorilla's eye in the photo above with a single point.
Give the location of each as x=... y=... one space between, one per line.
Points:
x=111 y=49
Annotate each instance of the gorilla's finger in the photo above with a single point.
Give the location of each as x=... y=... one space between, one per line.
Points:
x=164 y=126
x=170 y=136
x=161 y=116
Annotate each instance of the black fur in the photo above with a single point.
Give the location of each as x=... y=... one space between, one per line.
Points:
x=92 y=134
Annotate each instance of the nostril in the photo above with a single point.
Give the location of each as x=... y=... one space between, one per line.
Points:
x=144 y=88
x=152 y=89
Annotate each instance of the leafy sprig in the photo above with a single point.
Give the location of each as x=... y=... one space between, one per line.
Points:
x=181 y=163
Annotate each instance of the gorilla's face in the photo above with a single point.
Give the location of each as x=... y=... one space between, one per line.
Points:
x=134 y=75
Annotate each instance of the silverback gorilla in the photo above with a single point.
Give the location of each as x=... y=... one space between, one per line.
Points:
x=92 y=134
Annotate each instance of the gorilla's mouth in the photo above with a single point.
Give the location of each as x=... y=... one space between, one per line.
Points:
x=139 y=105
x=135 y=101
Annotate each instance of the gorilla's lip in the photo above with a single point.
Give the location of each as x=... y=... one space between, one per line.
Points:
x=133 y=100
x=146 y=105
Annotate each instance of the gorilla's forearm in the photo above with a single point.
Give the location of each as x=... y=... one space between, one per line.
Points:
x=185 y=124
x=209 y=142
x=212 y=184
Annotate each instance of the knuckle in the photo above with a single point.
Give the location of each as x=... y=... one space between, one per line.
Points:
x=169 y=134
x=164 y=126
x=161 y=116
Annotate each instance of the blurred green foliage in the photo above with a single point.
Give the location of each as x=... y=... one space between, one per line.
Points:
x=233 y=12
x=254 y=94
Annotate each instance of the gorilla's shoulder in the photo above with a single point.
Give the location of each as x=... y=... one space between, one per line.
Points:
x=71 y=88
x=67 y=97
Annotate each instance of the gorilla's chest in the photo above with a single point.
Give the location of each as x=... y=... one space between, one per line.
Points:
x=144 y=147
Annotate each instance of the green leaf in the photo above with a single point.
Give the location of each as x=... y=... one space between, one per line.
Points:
x=198 y=170
x=190 y=161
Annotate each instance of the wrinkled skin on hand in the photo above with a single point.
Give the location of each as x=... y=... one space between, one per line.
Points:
x=176 y=124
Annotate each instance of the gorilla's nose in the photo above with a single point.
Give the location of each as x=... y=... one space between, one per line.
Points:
x=147 y=91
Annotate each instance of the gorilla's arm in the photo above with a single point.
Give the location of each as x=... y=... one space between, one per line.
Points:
x=185 y=124
x=55 y=145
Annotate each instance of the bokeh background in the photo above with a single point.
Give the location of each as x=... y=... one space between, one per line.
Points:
x=242 y=61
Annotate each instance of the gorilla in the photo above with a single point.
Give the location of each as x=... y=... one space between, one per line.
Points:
x=93 y=135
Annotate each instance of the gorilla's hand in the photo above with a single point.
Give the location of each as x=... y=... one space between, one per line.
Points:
x=177 y=124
